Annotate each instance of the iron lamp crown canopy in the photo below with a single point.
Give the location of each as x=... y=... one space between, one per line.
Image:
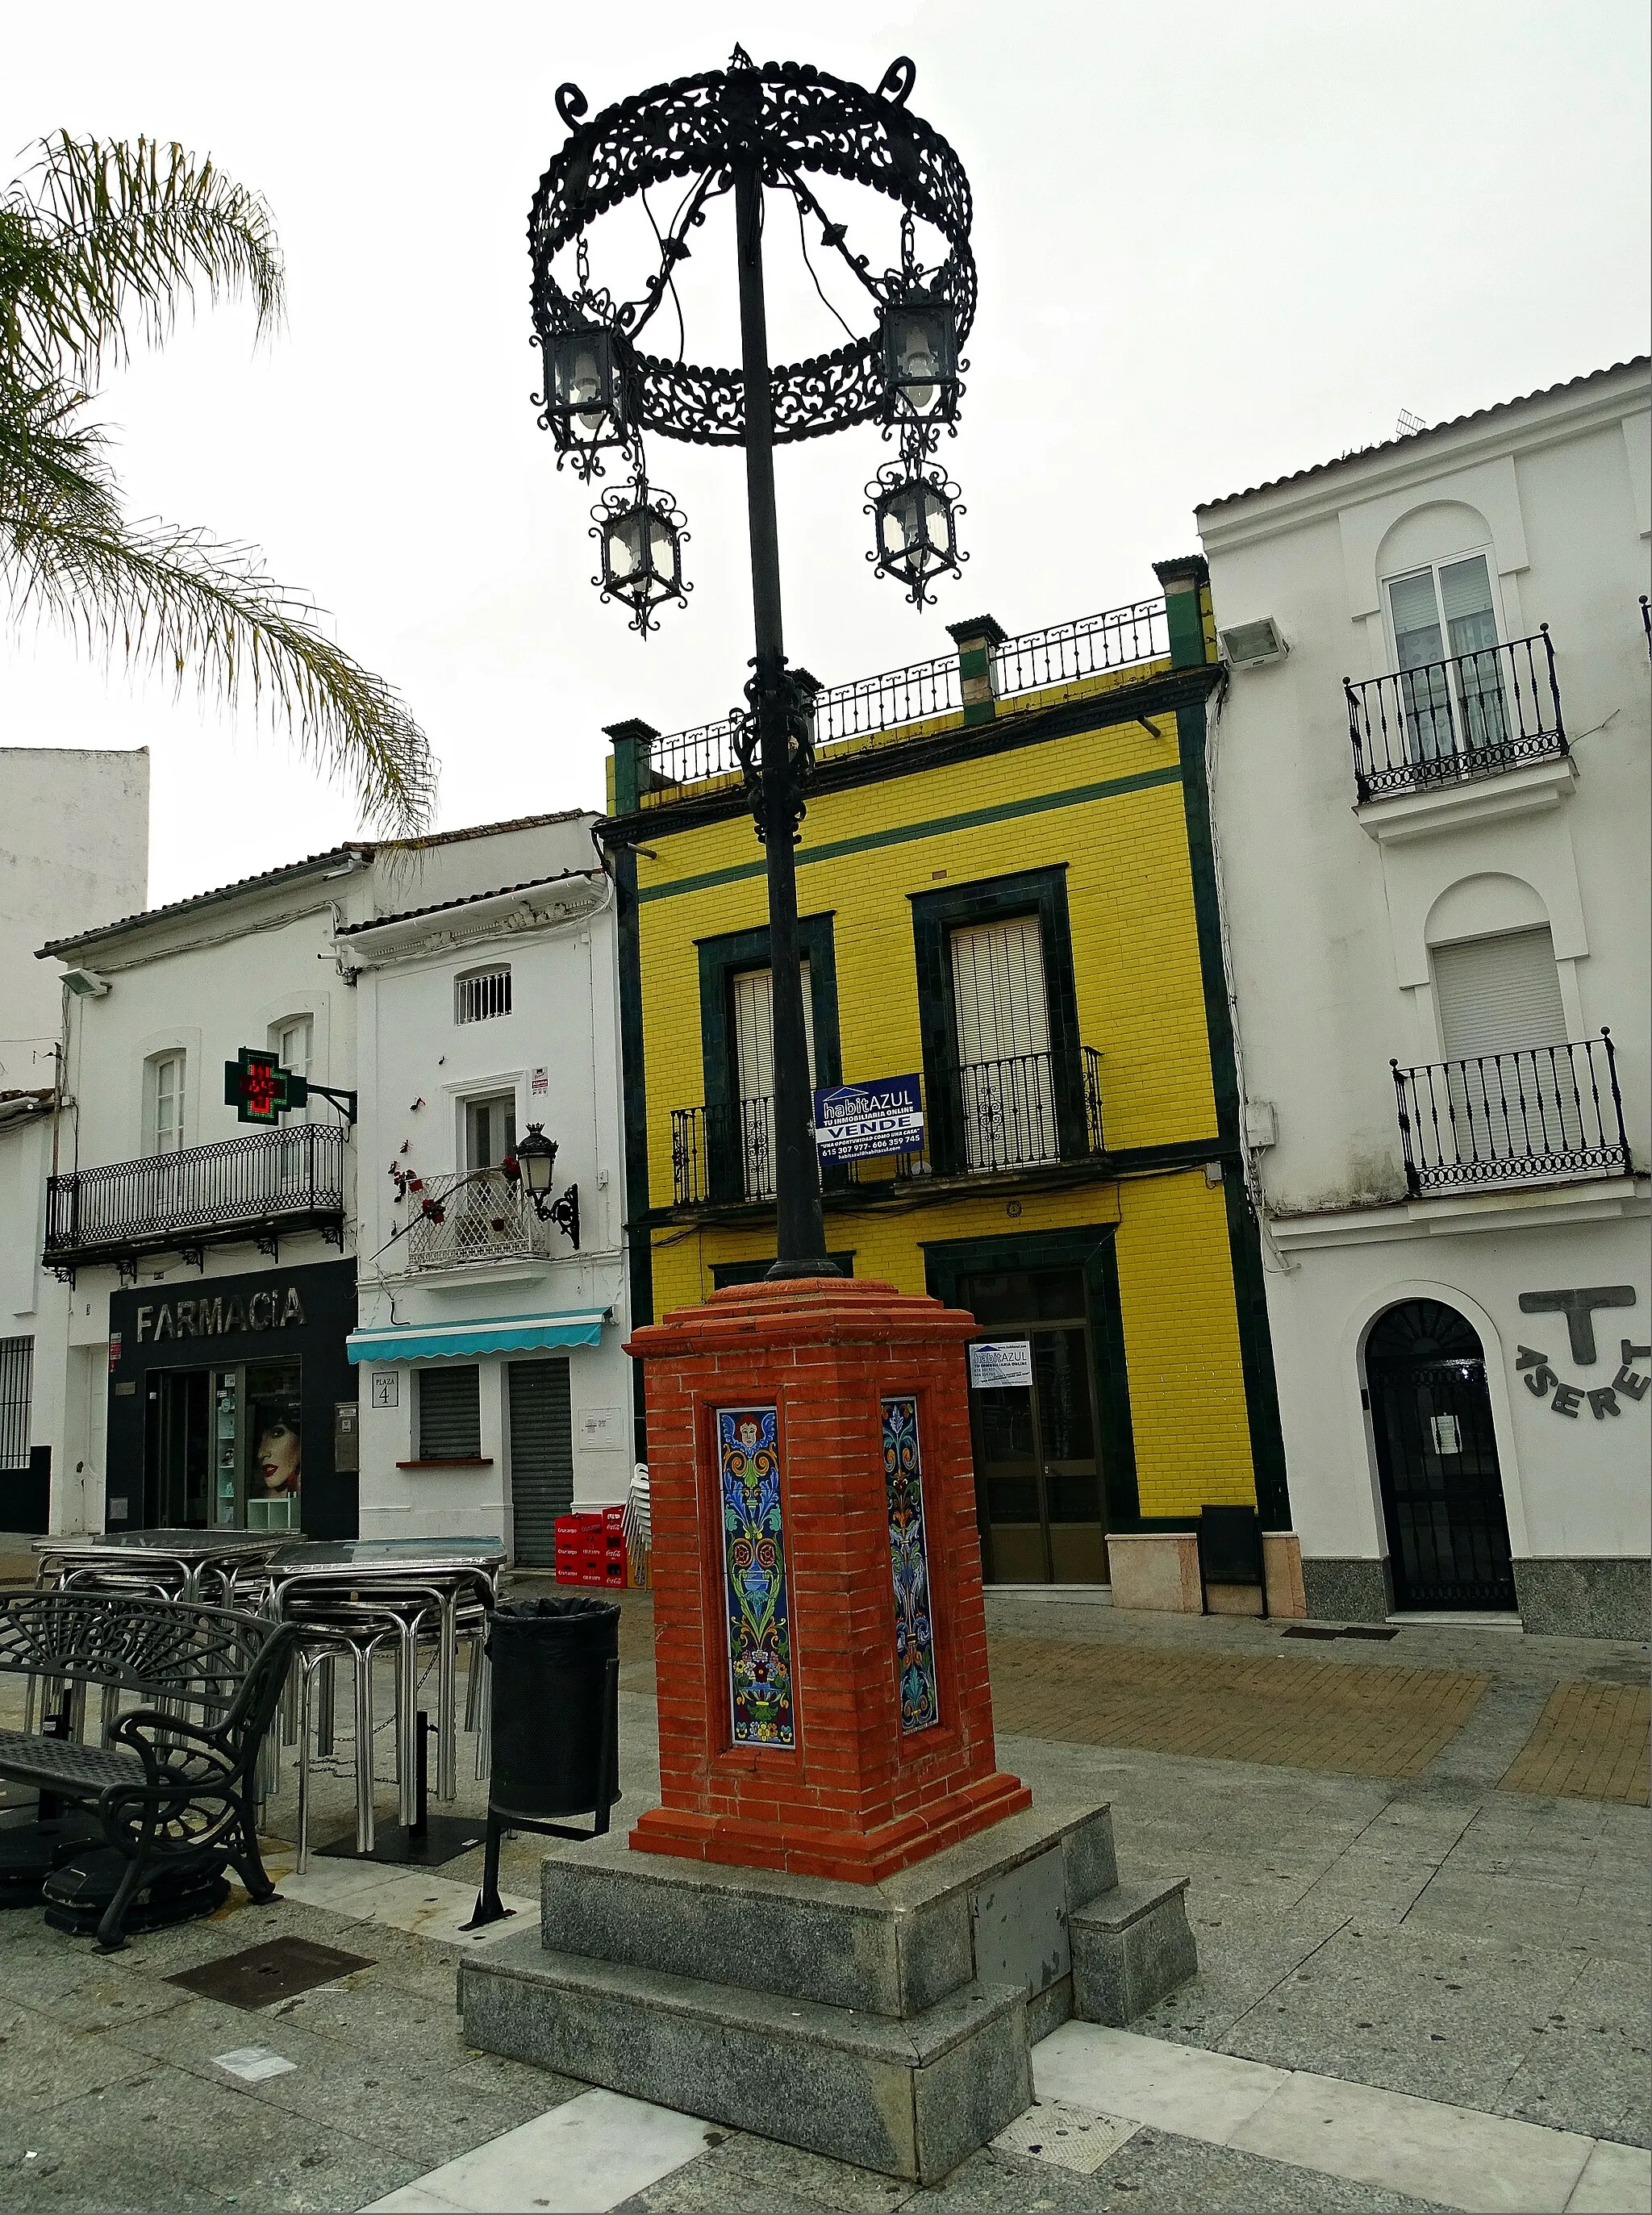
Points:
x=603 y=390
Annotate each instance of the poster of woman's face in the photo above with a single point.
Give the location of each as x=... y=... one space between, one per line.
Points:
x=277 y=1459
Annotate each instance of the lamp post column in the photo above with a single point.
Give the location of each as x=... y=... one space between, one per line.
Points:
x=799 y=1232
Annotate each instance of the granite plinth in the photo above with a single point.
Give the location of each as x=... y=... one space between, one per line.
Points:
x=887 y=2024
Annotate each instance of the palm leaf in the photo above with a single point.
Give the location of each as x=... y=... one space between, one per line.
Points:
x=105 y=241
x=173 y=600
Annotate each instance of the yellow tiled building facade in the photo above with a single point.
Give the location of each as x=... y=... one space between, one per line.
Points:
x=1011 y=899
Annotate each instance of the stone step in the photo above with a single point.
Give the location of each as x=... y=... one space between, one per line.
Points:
x=909 y=2099
x=993 y=1908
x=1131 y=1947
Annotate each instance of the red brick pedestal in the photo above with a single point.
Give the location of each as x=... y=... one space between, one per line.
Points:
x=806 y=1757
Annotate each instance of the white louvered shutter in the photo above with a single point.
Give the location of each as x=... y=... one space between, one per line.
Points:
x=1499 y=994
x=1005 y=1084
x=1501 y=1015
x=753 y=1013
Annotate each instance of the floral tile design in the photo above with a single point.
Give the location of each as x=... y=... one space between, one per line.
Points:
x=903 y=1478
x=754 y=1564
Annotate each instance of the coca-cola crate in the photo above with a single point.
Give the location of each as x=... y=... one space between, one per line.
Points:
x=615 y=1579
x=613 y=1521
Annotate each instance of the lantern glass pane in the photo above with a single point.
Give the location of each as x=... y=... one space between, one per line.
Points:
x=936 y=528
x=662 y=549
x=919 y=365
x=626 y=539
x=898 y=527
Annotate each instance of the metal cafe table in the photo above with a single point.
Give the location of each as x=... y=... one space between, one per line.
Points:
x=183 y=1561
x=445 y=1572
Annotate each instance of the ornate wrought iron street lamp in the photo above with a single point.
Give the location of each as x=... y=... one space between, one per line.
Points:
x=536 y=1164
x=739 y=131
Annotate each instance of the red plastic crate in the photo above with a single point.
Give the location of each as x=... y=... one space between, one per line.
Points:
x=615 y=1579
x=614 y=1520
x=592 y=1577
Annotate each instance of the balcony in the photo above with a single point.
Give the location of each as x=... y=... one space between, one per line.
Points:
x=252 y=1188
x=1544 y=1114
x=1447 y=723
x=1028 y=1111
x=466 y=1222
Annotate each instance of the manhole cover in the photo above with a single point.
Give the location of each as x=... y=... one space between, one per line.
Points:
x=272 y=1972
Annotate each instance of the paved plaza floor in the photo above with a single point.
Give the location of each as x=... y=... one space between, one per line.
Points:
x=1418 y=1885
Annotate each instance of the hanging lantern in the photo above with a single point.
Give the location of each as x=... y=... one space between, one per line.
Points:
x=920 y=359
x=640 y=536
x=914 y=510
x=586 y=402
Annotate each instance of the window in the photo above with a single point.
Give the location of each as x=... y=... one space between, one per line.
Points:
x=163 y=1075
x=16 y=1369
x=1500 y=1018
x=484 y=993
x=489 y=1130
x=1499 y=994
x=450 y=1415
x=1446 y=643
x=292 y=1043
x=1003 y=1018
x=752 y=991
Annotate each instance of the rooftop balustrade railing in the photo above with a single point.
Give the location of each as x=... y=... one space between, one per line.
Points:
x=1525 y=1117
x=267 y=1180
x=882 y=710
x=1470 y=716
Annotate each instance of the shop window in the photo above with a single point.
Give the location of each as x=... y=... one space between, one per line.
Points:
x=164 y=1075
x=449 y=1414
x=482 y=994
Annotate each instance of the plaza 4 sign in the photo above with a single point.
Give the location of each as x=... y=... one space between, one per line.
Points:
x=853 y=1122
x=1579 y=1305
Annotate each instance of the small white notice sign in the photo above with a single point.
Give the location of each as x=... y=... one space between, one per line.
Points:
x=1448 y=1434
x=995 y=1362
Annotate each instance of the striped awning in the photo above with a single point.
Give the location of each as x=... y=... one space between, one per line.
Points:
x=462 y=1342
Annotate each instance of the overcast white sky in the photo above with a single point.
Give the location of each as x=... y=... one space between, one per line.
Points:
x=1217 y=241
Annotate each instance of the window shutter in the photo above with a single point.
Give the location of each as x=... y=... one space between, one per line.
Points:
x=998 y=982
x=1499 y=994
x=754 y=1032
x=450 y=1415
x=1417 y=619
x=541 y=1458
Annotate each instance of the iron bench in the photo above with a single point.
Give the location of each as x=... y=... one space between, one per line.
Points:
x=173 y=1783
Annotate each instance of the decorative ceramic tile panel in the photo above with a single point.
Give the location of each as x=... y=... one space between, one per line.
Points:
x=754 y=1565
x=903 y=1479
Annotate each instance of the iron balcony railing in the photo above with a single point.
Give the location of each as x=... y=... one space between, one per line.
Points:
x=467 y=1220
x=1470 y=716
x=881 y=709
x=1543 y=1112
x=1025 y=1111
x=267 y=1181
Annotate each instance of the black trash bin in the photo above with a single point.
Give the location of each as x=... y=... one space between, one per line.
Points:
x=553 y=1697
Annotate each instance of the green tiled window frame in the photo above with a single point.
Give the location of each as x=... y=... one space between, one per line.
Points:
x=935 y=915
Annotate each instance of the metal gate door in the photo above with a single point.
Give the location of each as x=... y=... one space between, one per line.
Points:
x=1437 y=1457
x=542 y=1458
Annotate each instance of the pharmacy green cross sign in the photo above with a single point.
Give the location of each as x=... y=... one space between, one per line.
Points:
x=261 y=1091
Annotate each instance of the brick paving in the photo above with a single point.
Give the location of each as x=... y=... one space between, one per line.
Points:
x=1273 y=1707
x=1590 y=1743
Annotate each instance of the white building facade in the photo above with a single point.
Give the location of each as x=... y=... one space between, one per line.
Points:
x=74 y=851
x=497 y=1394
x=1435 y=886
x=210 y=1359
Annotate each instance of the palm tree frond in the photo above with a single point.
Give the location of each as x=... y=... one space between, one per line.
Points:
x=106 y=239
x=176 y=601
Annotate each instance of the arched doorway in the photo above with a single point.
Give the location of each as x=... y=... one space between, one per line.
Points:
x=1437 y=1455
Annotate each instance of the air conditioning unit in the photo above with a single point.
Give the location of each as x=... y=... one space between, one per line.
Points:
x=1254 y=644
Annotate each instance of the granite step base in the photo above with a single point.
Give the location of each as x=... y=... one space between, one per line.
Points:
x=1131 y=1948
x=908 y=2098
